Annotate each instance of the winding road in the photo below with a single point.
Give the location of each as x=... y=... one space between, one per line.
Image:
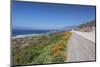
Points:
x=80 y=49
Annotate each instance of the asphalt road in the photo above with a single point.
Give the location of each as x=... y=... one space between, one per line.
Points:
x=80 y=49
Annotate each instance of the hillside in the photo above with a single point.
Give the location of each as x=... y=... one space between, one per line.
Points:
x=89 y=24
x=40 y=49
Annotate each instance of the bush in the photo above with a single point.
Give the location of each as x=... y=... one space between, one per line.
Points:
x=41 y=49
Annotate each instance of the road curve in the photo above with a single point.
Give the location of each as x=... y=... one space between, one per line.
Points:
x=80 y=49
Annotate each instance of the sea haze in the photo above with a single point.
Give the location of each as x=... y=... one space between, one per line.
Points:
x=21 y=31
x=16 y=32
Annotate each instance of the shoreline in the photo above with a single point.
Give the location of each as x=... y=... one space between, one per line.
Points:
x=27 y=35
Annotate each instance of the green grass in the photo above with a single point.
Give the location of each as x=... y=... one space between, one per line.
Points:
x=43 y=49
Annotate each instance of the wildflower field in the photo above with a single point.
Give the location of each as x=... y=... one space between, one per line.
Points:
x=44 y=49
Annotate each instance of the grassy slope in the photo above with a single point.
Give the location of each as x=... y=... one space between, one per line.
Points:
x=41 y=49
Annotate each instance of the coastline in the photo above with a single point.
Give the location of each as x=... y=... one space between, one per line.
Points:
x=27 y=35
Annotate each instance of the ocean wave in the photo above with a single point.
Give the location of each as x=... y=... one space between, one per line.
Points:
x=28 y=35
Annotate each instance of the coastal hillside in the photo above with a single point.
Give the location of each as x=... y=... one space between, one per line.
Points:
x=91 y=23
x=89 y=26
x=41 y=49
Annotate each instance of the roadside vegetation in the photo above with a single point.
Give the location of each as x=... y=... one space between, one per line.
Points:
x=44 y=49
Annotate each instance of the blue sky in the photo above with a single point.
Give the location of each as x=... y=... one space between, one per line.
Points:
x=49 y=16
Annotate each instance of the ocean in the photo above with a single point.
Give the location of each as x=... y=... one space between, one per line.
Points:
x=17 y=32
